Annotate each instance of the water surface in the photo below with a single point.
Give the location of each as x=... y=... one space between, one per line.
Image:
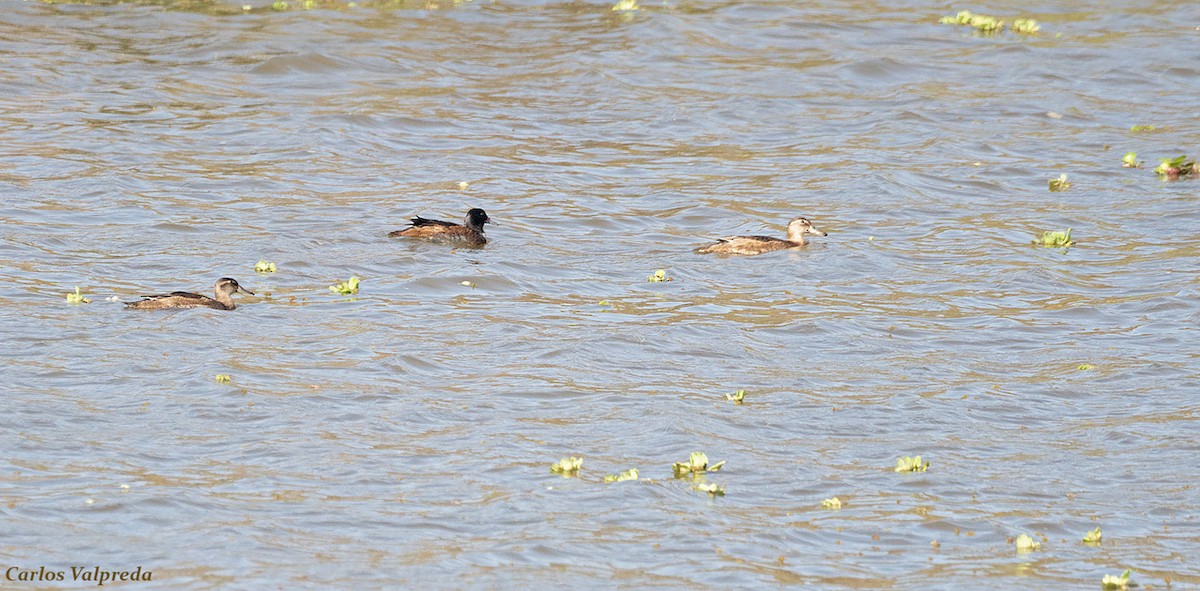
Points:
x=403 y=437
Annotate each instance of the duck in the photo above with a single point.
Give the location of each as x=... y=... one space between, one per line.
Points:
x=469 y=233
x=223 y=288
x=752 y=245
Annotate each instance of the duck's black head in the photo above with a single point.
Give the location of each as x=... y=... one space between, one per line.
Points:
x=476 y=218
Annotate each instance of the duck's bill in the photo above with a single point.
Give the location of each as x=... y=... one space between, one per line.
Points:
x=244 y=290
x=812 y=230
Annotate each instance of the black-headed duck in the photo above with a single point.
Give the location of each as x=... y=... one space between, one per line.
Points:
x=751 y=245
x=470 y=233
x=224 y=288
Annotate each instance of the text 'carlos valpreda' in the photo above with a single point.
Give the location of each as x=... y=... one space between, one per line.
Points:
x=82 y=574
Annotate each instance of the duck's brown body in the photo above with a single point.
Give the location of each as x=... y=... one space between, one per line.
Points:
x=752 y=245
x=468 y=234
x=224 y=289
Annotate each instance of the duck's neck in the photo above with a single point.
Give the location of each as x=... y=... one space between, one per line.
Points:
x=225 y=300
x=797 y=237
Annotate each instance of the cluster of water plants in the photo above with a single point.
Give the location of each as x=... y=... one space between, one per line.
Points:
x=1170 y=169
x=990 y=24
x=349 y=287
x=695 y=466
x=1060 y=183
x=1177 y=167
x=77 y=297
x=1055 y=239
x=911 y=464
x=658 y=277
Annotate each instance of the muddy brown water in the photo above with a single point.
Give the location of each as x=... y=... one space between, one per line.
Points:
x=403 y=437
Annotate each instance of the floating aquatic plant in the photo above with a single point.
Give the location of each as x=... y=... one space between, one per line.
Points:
x=568 y=466
x=468 y=284
x=77 y=297
x=981 y=22
x=1055 y=239
x=716 y=490
x=1026 y=26
x=623 y=5
x=279 y=5
x=1110 y=582
x=264 y=267
x=347 y=287
x=630 y=474
x=832 y=503
x=1085 y=366
x=1093 y=537
x=1060 y=183
x=1141 y=128
x=697 y=463
x=986 y=24
x=1025 y=543
x=658 y=276
x=224 y=378
x=911 y=464
x=736 y=397
x=962 y=18
x=463 y=185
x=1129 y=160
x=1173 y=168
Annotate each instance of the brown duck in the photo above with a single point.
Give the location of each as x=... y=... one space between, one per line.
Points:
x=224 y=288
x=751 y=245
x=469 y=233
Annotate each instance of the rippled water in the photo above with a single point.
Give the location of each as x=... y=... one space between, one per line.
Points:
x=403 y=437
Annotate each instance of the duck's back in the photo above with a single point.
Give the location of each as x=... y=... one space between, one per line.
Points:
x=177 y=299
x=746 y=245
x=439 y=231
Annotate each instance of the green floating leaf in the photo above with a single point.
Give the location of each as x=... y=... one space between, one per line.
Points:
x=346 y=288
x=911 y=464
x=1060 y=183
x=1026 y=26
x=736 y=397
x=832 y=503
x=716 y=490
x=1025 y=543
x=1056 y=239
x=1129 y=160
x=697 y=464
x=625 y=5
x=264 y=267
x=658 y=276
x=1141 y=128
x=630 y=474
x=1085 y=367
x=568 y=466
x=224 y=378
x=77 y=297
x=279 y=5
x=1110 y=582
x=1093 y=537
